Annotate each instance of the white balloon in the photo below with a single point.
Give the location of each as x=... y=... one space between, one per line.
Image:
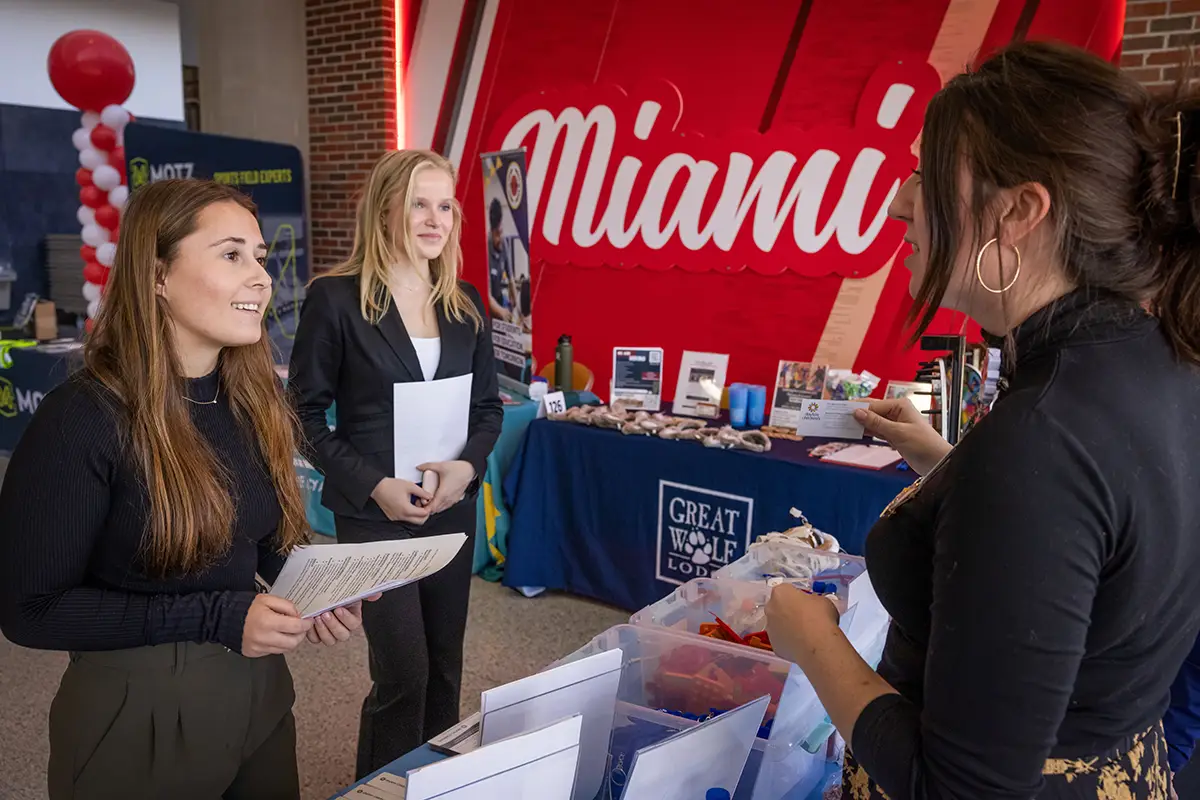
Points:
x=106 y=253
x=92 y=158
x=118 y=196
x=93 y=308
x=82 y=139
x=115 y=117
x=86 y=216
x=106 y=177
x=91 y=293
x=94 y=235
x=90 y=119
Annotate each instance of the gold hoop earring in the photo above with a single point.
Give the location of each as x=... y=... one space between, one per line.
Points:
x=979 y=267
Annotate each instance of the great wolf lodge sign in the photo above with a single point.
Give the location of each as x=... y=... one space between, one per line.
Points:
x=705 y=178
x=613 y=180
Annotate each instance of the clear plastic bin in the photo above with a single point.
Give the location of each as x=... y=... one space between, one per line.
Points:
x=663 y=669
x=742 y=606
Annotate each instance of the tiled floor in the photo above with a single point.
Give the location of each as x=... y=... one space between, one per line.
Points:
x=508 y=637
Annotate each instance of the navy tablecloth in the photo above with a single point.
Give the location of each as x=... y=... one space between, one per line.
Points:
x=624 y=519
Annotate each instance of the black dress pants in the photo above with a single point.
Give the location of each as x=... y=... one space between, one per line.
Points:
x=415 y=642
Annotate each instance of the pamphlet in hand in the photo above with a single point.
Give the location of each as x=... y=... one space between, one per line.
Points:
x=322 y=577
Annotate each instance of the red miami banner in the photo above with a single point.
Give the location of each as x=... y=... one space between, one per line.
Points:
x=709 y=177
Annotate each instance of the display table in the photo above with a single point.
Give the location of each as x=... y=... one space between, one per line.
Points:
x=425 y=755
x=624 y=519
x=23 y=385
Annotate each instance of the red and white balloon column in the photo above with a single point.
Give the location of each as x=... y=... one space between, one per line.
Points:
x=94 y=72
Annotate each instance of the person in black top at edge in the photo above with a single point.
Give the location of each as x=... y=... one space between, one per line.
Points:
x=1042 y=576
x=144 y=496
x=397 y=312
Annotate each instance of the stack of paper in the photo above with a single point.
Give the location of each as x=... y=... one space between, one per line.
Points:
x=327 y=576
x=383 y=787
x=863 y=455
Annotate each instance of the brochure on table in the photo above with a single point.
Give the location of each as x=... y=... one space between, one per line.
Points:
x=637 y=377
x=541 y=763
x=701 y=384
x=796 y=383
x=714 y=751
x=588 y=687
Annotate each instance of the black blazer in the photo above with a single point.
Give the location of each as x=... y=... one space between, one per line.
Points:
x=339 y=357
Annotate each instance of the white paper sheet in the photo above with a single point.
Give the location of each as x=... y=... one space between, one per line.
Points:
x=715 y=753
x=321 y=577
x=539 y=765
x=430 y=421
x=588 y=687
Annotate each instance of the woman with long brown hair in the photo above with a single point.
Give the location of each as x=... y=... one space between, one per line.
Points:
x=1042 y=576
x=146 y=494
x=396 y=312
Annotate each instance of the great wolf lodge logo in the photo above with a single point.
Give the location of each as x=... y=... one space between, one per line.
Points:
x=699 y=530
x=610 y=171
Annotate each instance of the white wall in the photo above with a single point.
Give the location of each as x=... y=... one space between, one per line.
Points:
x=148 y=29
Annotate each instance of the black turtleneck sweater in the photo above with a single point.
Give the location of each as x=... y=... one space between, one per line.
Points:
x=73 y=511
x=1042 y=582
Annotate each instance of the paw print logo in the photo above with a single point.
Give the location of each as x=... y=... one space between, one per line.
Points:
x=698 y=548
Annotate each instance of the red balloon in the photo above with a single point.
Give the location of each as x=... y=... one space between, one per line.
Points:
x=90 y=70
x=95 y=272
x=87 y=253
x=116 y=158
x=91 y=323
x=92 y=197
x=108 y=217
x=104 y=138
x=83 y=176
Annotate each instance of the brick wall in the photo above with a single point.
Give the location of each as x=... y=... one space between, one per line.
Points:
x=351 y=112
x=1156 y=34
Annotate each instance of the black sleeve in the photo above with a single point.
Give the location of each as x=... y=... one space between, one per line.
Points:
x=1021 y=537
x=487 y=410
x=270 y=560
x=54 y=502
x=312 y=383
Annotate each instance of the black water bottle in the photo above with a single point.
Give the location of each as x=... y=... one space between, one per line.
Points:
x=564 y=364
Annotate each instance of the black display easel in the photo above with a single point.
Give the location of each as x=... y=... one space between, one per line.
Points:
x=955 y=348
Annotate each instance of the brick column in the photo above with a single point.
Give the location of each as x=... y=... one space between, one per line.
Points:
x=351 y=112
x=1156 y=35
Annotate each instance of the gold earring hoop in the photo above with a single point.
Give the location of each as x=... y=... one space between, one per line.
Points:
x=979 y=267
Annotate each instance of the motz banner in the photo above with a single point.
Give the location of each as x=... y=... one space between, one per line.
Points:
x=509 y=283
x=271 y=174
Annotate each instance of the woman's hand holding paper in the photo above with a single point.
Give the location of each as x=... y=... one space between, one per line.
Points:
x=453 y=479
x=396 y=497
x=339 y=624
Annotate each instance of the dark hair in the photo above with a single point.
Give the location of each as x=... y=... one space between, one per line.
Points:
x=1118 y=163
x=495 y=213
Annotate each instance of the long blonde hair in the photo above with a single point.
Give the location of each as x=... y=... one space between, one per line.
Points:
x=391 y=180
x=131 y=352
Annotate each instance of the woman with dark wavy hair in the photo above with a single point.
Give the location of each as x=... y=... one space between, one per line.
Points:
x=1041 y=577
x=147 y=493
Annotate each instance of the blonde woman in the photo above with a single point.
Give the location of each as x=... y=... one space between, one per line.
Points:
x=395 y=312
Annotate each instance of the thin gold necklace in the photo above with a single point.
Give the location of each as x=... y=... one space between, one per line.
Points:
x=212 y=402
